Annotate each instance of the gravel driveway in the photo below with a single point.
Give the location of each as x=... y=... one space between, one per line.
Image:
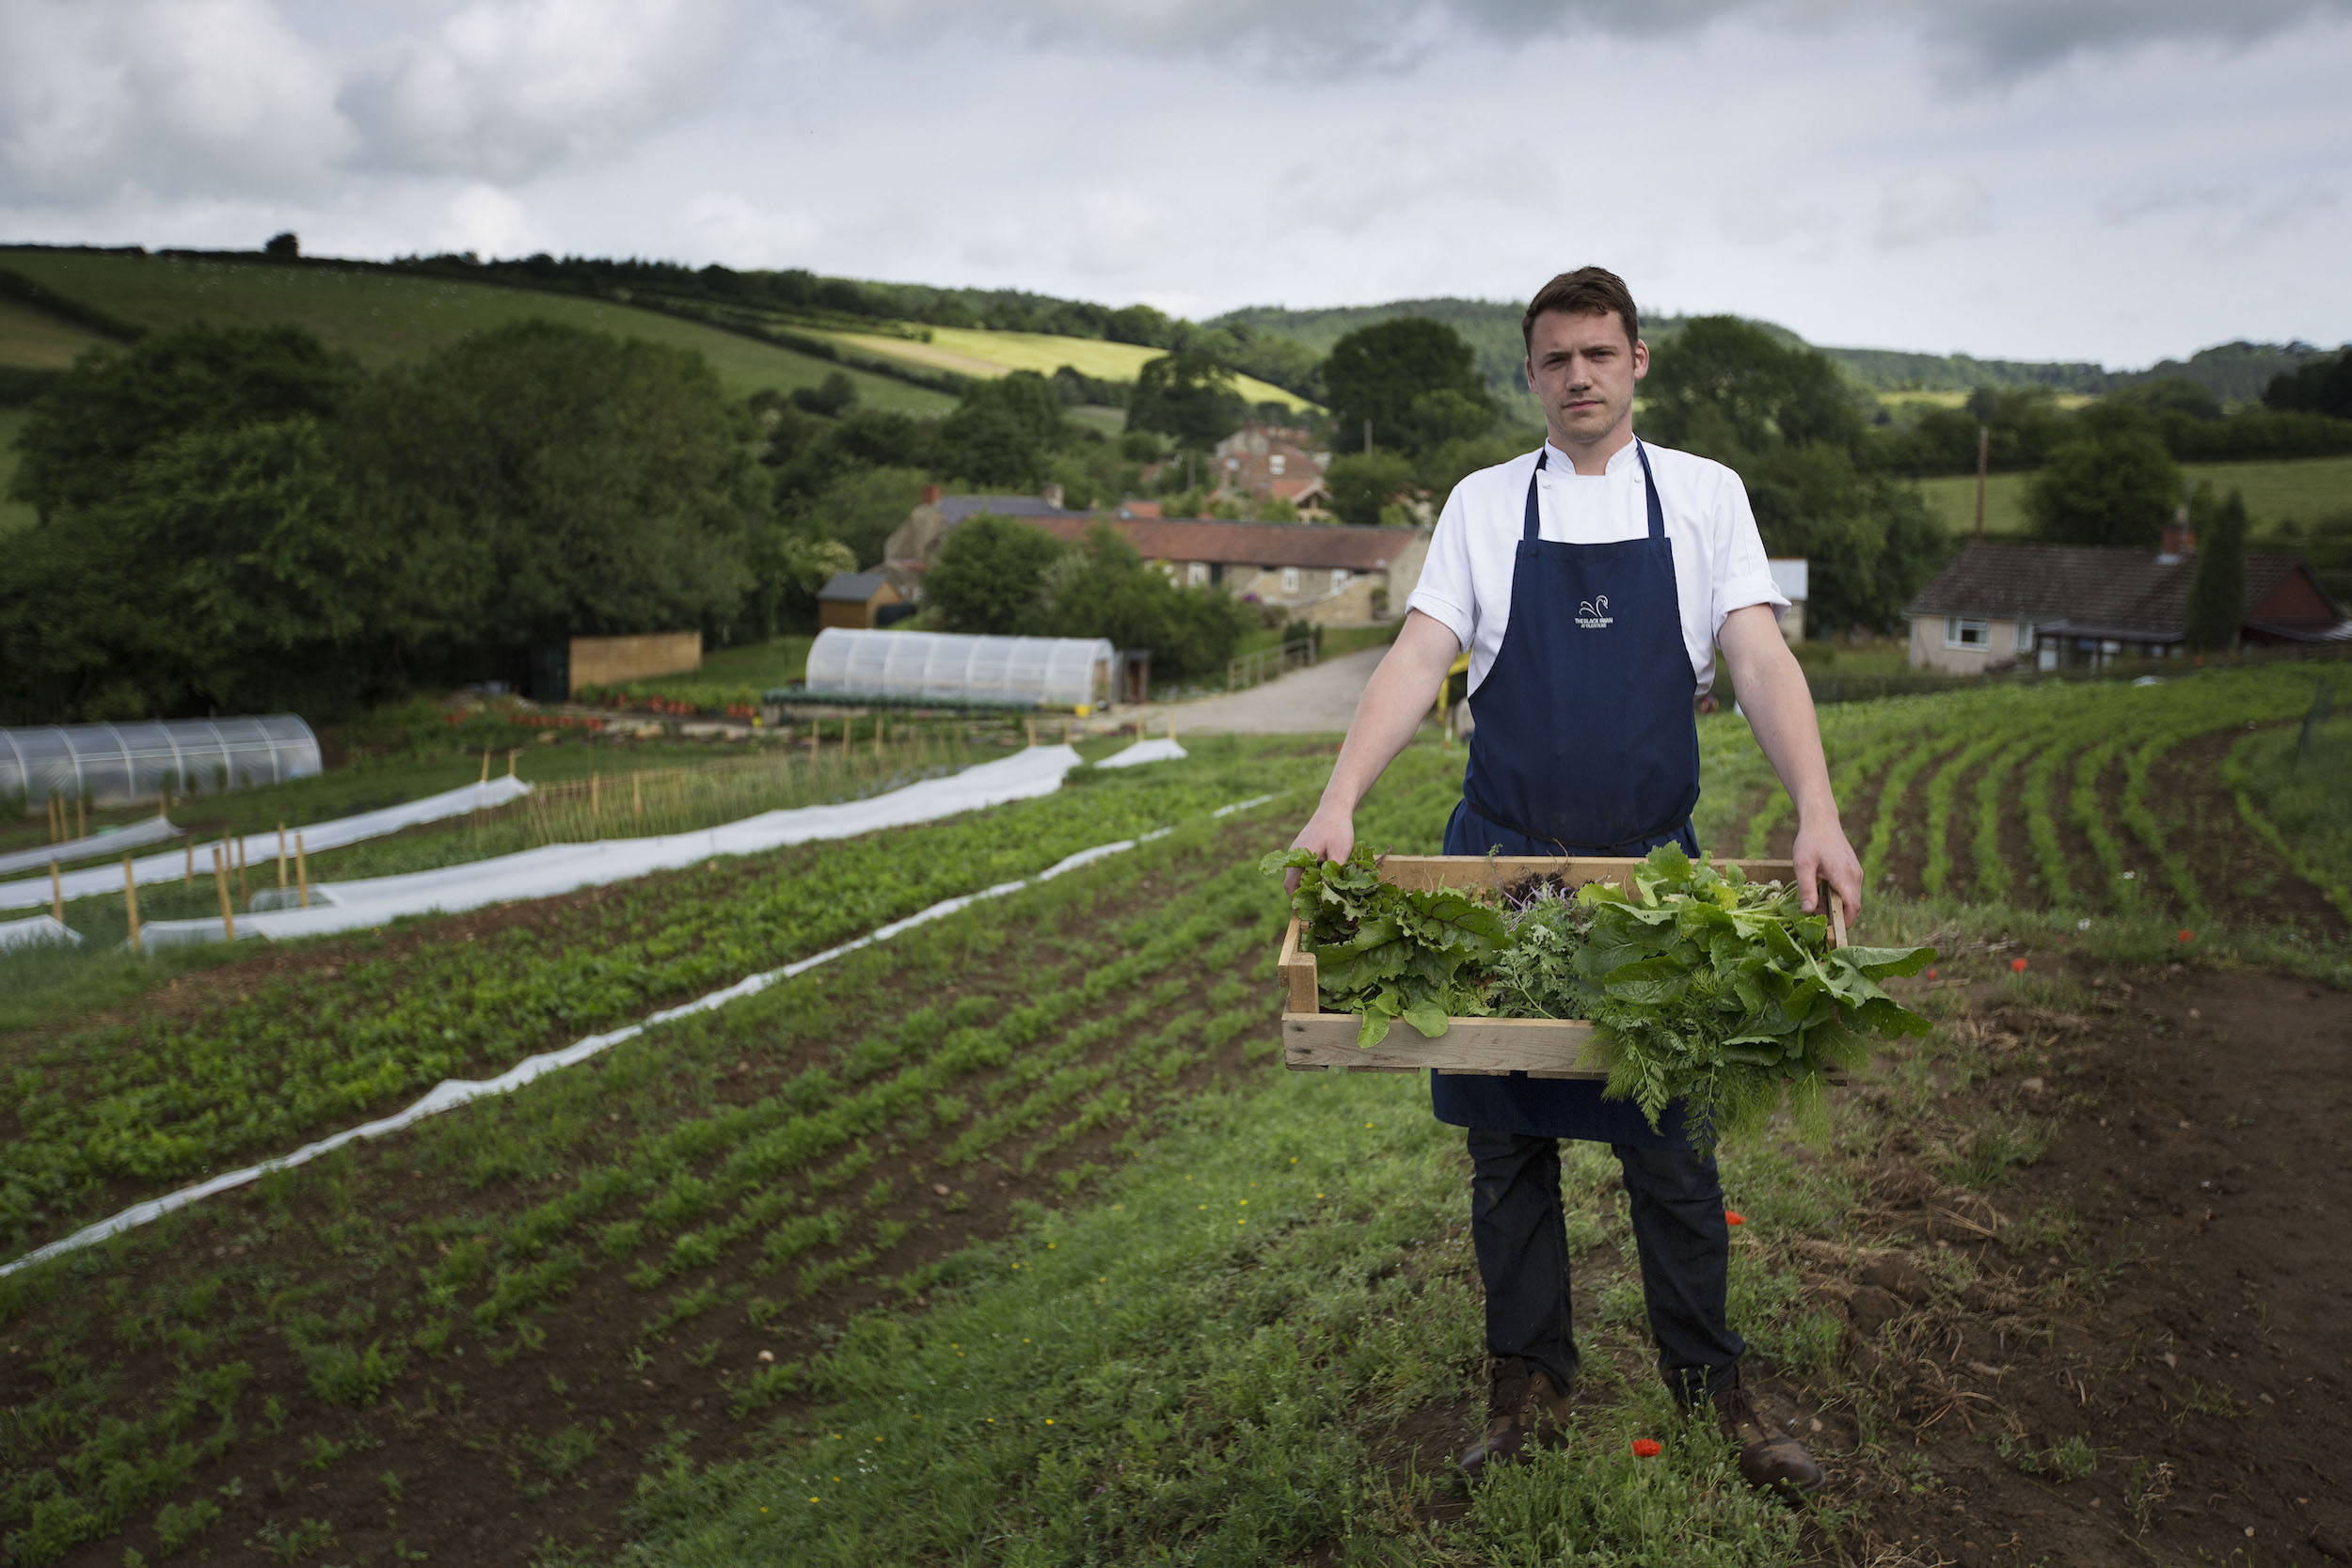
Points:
x=1317 y=701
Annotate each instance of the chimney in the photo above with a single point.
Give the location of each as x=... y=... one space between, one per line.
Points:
x=2180 y=540
x=930 y=494
x=1051 y=496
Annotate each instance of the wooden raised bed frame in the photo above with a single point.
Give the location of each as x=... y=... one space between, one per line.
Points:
x=1313 y=1039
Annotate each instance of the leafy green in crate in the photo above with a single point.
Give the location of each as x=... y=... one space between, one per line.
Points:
x=1392 y=953
x=1703 y=987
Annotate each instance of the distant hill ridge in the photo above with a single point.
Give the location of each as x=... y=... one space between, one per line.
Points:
x=1279 y=345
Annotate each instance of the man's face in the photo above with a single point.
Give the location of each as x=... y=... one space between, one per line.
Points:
x=1583 y=370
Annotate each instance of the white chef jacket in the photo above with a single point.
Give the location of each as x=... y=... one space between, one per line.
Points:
x=1719 y=557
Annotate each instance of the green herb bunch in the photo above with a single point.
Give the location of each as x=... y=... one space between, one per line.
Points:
x=1703 y=987
x=1388 y=952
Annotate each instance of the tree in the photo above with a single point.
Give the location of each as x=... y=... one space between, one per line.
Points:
x=1414 y=379
x=2321 y=385
x=2217 y=592
x=537 y=482
x=79 y=441
x=2115 y=487
x=1104 y=588
x=1362 y=483
x=858 y=510
x=1140 y=324
x=990 y=576
x=1727 y=383
x=1871 y=542
x=283 y=245
x=1188 y=397
x=1001 y=431
x=2174 y=394
x=830 y=397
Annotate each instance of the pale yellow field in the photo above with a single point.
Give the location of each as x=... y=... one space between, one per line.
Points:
x=38 y=340
x=968 y=351
x=1954 y=399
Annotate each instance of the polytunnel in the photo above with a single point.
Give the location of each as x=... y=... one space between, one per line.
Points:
x=940 y=667
x=116 y=764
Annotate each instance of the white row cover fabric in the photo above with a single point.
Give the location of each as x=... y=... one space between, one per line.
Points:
x=116 y=762
x=106 y=841
x=331 y=834
x=1162 y=750
x=1030 y=671
x=453 y=1092
x=41 y=931
x=567 y=867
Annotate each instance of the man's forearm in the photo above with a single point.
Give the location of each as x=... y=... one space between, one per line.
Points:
x=1779 y=709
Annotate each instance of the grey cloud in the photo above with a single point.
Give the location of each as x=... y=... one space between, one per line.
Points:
x=1938 y=205
x=1978 y=39
x=501 y=89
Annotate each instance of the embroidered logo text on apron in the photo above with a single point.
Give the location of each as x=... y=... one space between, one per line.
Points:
x=1593 y=613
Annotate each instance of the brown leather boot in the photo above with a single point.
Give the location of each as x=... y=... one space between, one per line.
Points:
x=1525 y=1410
x=1769 y=1459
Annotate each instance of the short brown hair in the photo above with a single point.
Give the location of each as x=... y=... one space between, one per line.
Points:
x=1585 y=291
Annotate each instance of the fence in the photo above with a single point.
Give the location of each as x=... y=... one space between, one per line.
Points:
x=1268 y=663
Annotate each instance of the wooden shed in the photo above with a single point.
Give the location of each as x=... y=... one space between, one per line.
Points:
x=854 y=600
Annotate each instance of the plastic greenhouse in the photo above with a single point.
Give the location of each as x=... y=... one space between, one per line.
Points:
x=1030 y=671
x=121 y=763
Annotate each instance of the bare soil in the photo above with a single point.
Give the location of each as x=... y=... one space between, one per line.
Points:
x=2156 y=1286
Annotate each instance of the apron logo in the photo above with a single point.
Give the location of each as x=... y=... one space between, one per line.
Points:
x=1592 y=614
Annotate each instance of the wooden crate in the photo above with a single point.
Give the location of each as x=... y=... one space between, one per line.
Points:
x=1313 y=1039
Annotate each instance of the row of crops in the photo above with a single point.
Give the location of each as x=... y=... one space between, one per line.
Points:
x=696 y=1187
x=636 y=1265
x=2078 y=798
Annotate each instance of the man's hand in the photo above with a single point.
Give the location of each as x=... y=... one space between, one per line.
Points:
x=1330 y=833
x=1824 y=856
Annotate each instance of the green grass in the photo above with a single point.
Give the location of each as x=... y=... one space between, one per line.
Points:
x=385 y=318
x=13 y=514
x=35 y=340
x=760 y=665
x=970 y=351
x=2301 y=489
x=2308 y=801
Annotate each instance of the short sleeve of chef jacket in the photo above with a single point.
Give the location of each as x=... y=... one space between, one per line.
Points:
x=1719 y=558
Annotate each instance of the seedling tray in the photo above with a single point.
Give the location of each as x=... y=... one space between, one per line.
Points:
x=1313 y=1040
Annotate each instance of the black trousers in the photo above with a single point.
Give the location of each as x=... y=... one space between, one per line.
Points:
x=1520 y=1233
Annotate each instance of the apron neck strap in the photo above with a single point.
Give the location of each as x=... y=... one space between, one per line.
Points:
x=1532 y=527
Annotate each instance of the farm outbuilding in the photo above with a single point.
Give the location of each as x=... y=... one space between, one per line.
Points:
x=855 y=600
x=925 y=666
x=115 y=764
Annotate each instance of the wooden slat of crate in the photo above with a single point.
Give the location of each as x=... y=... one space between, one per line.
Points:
x=1313 y=1039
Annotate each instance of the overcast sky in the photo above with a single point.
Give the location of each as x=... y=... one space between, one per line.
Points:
x=2108 y=180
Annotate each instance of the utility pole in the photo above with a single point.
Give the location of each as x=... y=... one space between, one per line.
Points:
x=1984 y=445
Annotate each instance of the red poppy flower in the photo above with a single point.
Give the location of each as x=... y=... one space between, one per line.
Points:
x=2188 y=936
x=1931 y=972
x=1733 y=1216
x=1648 y=1447
x=2017 y=966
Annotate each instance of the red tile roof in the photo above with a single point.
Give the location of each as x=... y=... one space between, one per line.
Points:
x=2115 y=590
x=1312 y=545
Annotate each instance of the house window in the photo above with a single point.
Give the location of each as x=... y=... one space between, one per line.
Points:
x=1275 y=463
x=1339 y=578
x=1198 y=574
x=1289 y=580
x=2024 y=637
x=1959 y=633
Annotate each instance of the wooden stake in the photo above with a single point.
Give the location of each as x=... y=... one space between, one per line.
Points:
x=220 y=882
x=636 y=795
x=485 y=765
x=302 y=873
x=281 y=857
x=130 y=899
x=1030 y=724
x=596 y=798
x=510 y=762
x=56 y=895
x=245 y=892
x=187 y=876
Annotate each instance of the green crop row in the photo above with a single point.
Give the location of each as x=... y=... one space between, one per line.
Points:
x=159 y=1098
x=765 y=1159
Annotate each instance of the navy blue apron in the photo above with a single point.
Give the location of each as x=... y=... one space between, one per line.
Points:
x=1583 y=743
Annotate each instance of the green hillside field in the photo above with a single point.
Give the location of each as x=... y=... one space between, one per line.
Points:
x=2302 y=489
x=384 y=318
x=970 y=351
x=35 y=340
x=12 y=515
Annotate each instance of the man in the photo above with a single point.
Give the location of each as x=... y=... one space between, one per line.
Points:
x=1591 y=582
